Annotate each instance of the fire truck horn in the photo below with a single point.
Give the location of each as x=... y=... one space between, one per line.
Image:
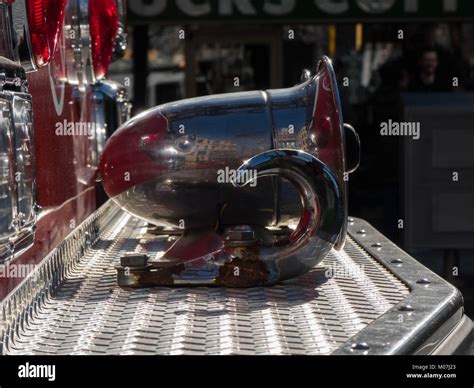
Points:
x=254 y=184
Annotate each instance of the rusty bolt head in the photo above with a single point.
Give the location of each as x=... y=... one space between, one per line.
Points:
x=134 y=261
x=240 y=235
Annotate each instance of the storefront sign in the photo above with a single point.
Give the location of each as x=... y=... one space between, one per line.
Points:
x=296 y=10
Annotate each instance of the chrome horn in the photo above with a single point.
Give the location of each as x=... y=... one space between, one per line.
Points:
x=254 y=183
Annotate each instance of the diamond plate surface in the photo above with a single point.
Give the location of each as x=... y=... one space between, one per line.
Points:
x=75 y=307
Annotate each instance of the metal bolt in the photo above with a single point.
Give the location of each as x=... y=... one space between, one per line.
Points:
x=406 y=307
x=305 y=75
x=241 y=235
x=134 y=261
x=396 y=261
x=423 y=281
x=350 y=219
x=360 y=346
x=362 y=231
x=376 y=245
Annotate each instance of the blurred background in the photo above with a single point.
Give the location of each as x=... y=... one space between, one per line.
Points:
x=399 y=60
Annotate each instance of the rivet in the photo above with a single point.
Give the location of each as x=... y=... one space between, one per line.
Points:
x=406 y=307
x=396 y=261
x=360 y=346
x=362 y=231
x=376 y=245
x=423 y=281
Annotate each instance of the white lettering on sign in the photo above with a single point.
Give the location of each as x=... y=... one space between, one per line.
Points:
x=198 y=8
x=190 y=8
x=448 y=5
x=375 y=6
x=282 y=8
x=147 y=8
x=332 y=6
x=245 y=7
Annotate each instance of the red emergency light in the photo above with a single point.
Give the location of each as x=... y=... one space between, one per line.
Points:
x=31 y=30
x=45 y=19
x=104 y=24
x=81 y=36
x=90 y=34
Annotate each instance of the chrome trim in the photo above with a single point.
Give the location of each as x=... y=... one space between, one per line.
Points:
x=6 y=32
x=21 y=49
x=77 y=41
x=18 y=133
x=353 y=148
x=122 y=35
x=418 y=324
x=326 y=61
x=25 y=158
x=77 y=44
x=110 y=107
x=7 y=186
x=97 y=107
x=118 y=105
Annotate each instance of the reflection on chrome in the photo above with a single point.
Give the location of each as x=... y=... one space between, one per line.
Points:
x=163 y=165
x=17 y=182
x=109 y=108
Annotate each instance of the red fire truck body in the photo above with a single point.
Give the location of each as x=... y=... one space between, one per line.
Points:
x=68 y=127
x=65 y=178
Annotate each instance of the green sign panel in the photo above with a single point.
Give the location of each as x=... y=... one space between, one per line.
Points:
x=171 y=11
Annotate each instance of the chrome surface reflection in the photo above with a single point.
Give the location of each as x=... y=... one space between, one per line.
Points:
x=109 y=108
x=184 y=166
x=17 y=179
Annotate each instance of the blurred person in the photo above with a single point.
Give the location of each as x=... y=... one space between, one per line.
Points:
x=428 y=78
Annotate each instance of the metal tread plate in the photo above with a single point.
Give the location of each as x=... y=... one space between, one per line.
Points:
x=72 y=304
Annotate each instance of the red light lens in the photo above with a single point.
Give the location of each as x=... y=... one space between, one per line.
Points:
x=45 y=19
x=104 y=23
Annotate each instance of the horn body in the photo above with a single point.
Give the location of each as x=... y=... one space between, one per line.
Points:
x=180 y=165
